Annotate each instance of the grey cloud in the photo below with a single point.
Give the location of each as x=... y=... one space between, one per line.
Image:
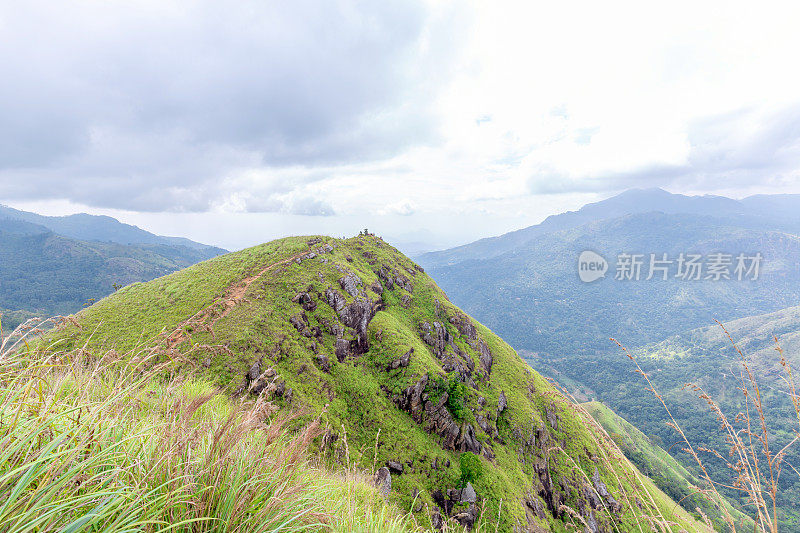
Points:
x=148 y=106
x=263 y=205
x=311 y=207
x=736 y=149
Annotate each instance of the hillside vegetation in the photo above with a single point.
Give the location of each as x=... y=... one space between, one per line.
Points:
x=669 y=475
x=353 y=336
x=108 y=443
x=45 y=273
x=769 y=344
x=525 y=286
x=707 y=358
x=535 y=300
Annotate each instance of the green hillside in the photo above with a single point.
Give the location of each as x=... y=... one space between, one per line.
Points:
x=85 y=227
x=357 y=335
x=45 y=273
x=534 y=299
x=532 y=296
x=670 y=476
x=706 y=357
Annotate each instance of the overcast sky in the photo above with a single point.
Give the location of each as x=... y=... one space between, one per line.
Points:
x=236 y=122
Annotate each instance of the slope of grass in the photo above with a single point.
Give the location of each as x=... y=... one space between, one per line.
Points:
x=707 y=358
x=544 y=463
x=94 y=442
x=48 y=274
x=669 y=475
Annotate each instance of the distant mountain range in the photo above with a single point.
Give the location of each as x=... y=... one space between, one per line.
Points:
x=535 y=299
x=780 y=212
x=55 y=265
x=525 y=285
x=100 y=228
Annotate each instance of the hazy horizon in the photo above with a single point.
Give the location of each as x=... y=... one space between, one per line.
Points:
x=428 y=121
x=411 y=242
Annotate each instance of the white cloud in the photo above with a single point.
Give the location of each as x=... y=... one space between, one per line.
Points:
x=403 y=207
x=494 y=114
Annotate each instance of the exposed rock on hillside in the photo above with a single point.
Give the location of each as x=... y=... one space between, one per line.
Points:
x=355 y=334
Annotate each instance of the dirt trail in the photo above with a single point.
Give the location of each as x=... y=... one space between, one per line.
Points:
x=219 y=308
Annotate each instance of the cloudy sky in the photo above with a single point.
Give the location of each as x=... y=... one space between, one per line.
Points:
x=435 y=121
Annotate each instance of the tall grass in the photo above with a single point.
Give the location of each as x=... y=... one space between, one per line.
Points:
x=102 y=442
x=754 y=463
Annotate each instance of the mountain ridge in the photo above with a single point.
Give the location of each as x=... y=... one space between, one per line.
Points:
x=101 y=228
x=354 y=332
x=779 y=212
x=46 y=273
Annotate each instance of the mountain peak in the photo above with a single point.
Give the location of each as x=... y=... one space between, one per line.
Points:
x=352 y=332
x=629 y=202
x=101 y=228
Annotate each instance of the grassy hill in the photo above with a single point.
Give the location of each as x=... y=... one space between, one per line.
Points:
x=45 y=273
x=666 y=472
x=357 y=336
x=707 y=357
x=85 y=227
x=109 y=443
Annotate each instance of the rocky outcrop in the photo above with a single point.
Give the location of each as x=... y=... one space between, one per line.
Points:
x=385 y=275
x=383 y=481
x=534 y=504
x=464 y=325
x=467 y=441
x=468 y=517
x=444 y=502
x=300 y=322
x=306 y=301
x=552 y=417
x=486 y=425
x=323 y=362
x=402 y=361
x=390 y=277
x=441 y=422
x=436 y=336
x=603 y=491
x=452 y=504
x=258 y=381
x=356 y=315
x=591 y=523
x=437 y=522
x=437 y=418
x=342 y=349
x=395 y=467
x=335 y=299
x=403 y=282
x=468 y=494
x=548 y=492
x=502 y=403
x=350 y=284
x=413 y=399
x=486 y=357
